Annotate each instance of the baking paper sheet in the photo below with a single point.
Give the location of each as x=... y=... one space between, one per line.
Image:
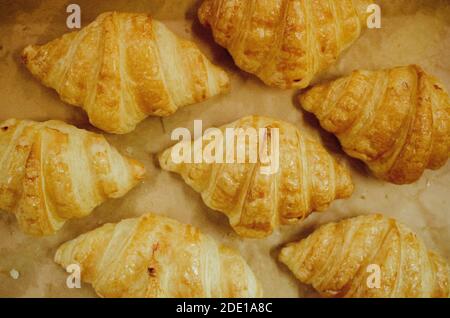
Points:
x=412 y=32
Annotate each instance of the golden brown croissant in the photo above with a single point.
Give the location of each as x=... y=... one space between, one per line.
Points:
x=285 y=42
x=154 y=256
x=307 y=179
x=124 y=67
x=397 y=121
x=338 y=259
x=51 y=172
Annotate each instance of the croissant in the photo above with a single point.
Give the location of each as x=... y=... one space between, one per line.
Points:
x=256 y=202
x=338 y=260
x=154 y=256
x=285 y=42
x=397 y=121
x=124 y=67
x=51 y=172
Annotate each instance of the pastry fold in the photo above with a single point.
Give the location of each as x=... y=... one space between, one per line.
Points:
x=397 y=120
x=342 y=260
x=124 y=67
x=308 y=178
x=285 y=42
x=51 y=172
x=154 y=256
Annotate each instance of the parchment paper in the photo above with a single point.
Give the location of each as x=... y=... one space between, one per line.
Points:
x=412 y=32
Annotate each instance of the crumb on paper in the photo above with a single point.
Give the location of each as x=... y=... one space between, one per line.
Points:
x=14 y=274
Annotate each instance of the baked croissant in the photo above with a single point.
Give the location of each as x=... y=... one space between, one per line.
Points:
x=124 y=67
x=51 y=172
x=154 y=256
x=339 y=259
x=397 y=121
x=256 y=202
x=285 y=42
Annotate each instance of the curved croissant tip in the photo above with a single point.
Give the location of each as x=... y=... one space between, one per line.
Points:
x=286 y=252
x=302 y=95
x=27 y=54
x=204 y=12
x=57 y=257
x=344 y=183
x=139 y=170
x=348 y=189
x=310 y=96
x=163 y=159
